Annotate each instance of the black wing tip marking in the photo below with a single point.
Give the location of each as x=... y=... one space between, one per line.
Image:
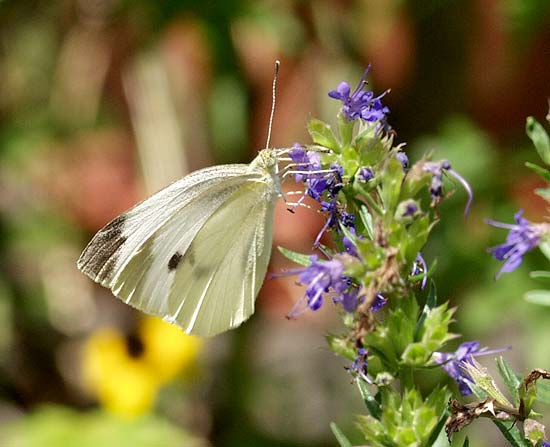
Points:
x=99 y=257
x=174 y=261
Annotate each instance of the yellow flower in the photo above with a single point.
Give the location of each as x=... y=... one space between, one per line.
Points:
x=167 y=349
x=123 y=385
x=127 y=384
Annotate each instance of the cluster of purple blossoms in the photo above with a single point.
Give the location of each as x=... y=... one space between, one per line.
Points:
x=360 y=103
x=523 y=237
x=453 y=362
x=321 y=277
x=436 y=186
x=322 y=185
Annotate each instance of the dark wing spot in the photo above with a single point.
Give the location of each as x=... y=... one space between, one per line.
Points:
x=174 y=261
x=99 y=258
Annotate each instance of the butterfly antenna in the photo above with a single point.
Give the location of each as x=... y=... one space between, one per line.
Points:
x=273 y=97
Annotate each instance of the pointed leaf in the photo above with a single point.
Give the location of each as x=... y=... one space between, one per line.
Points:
x=544 y=173
x=540 y=274
x=541 y=297
x=466 y=442
x=298 y=258
x=436 y=432
x=370 y=401
x=509 y=377
x=544 y=247
x=512 y=434
x=431 y=302
x=544 y=193
x=322 y=134
x=340 y=437
x=540 y=139
x=366 y=218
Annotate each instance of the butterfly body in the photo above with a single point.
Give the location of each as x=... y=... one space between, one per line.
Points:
x=196 y=252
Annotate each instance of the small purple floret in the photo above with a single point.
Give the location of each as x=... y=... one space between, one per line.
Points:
x=523 y=237
x=365 y=174
x=436 y=186
x=378 y=303
x=452 y=362
x=403 y=159
x=360 y=365
x=360 y=104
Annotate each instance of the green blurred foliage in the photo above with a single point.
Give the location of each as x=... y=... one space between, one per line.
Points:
x=463 y=75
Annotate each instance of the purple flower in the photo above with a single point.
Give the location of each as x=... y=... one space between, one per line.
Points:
x=321 y=277
x=365 y=174
x=378 y=303
x=436 y=186
x=360 y=103
x=310 y=170
x=336 y=215
x=420 y=266
x=452 y=362
x=523 y=237
x=545 y=444
x=360 y=365
x=350 y=299
x=403 y=159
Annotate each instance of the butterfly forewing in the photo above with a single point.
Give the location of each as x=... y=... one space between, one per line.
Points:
x=120 y=240
x=195 y=253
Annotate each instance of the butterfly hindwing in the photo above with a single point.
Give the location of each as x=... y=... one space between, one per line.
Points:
x=217 y=280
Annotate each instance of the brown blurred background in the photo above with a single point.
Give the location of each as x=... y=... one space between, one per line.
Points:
x=103 y=102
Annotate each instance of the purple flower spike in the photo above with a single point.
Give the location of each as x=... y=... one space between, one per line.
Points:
x=545 y=444
x=523 y=237
x=452 y=362
x=360 y=103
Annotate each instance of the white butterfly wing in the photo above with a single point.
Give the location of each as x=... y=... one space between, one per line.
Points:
x=218 y=279
x=142 y=254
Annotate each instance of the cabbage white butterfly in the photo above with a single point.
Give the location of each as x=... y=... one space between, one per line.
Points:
x=196 y=252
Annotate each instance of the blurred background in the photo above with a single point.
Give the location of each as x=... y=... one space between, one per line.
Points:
x=103 y=102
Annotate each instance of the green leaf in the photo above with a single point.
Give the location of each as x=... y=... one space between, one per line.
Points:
x=540 y=274
x=512 y=434
x=431 y=302
x=544 y=193
x=436 y=432
x=322 y=134
x=543 y=392
x=366 y=218
x=510 y=378
x=540 y=139
x=391 y=180
x=466 y=442
x=544 y=173
x=340 y=437
x=371 y=403
x=298 y=258
x=544 y=247
x=342 y=347
x=541 y=297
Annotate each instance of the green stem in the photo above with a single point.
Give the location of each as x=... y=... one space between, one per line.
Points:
x=370 y=200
